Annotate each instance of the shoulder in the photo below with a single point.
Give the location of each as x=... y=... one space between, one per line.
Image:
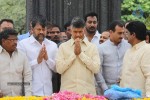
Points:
x=64 y=44
x=21 y=53
x=24 y=41
x=125 y=42
x=51 y=43
x=106 y=44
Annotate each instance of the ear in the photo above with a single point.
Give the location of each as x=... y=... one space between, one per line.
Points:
x=110 y=31
x=3 y=41
x=31 y=29
x=134 y=35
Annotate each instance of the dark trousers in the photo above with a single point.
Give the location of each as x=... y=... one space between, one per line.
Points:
x=56 y=81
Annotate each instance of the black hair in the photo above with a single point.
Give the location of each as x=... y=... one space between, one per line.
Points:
x=5 y=34
x=55 y=25
x=138 y=28
x=67 y=24
x=116 y=23
x=7 y=20
x=77 y=22
x=39 y=19
x=90 y=14
x=148 y=33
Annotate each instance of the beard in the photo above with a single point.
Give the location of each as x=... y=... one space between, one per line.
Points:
x=56 y=39
x=40 y=37
x=91 y=30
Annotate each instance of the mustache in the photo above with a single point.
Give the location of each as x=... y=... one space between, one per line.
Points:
x=15 y=44
x=40 y=34
x=56 y=37
x=48 y=37
x=92 y=28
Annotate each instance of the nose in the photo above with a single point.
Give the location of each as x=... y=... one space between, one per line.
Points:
x=42 y=31
x=122 y=35
x=56 y=33
x=92 y=24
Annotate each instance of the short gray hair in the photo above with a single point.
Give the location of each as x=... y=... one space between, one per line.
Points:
x=77 y=22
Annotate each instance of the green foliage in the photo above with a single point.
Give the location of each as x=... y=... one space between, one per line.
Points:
x=128 y=6
x=15 y=10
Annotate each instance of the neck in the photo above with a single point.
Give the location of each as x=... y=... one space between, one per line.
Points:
x=9 y=52
x=116 y=43
x=135 y=42
x=89 y=36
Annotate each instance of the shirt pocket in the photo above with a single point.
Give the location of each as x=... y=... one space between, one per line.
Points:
x=19 y=69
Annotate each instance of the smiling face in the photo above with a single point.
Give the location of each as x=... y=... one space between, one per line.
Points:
x=104 y=36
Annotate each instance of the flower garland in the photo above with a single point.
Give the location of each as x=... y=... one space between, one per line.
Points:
x=64 y=95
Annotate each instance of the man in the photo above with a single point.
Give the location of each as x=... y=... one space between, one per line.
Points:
x=111 y=53
x=77 y=61
x=67 y=29
x=54 y=33
x=41 y=54
x=104 y=36
x=5 y=24
x=136 y=64
x=48 y=30
x=91 y=22
x=15 y=75
x=63 y=37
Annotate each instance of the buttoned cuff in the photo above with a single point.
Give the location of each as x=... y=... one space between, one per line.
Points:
x=33 y=63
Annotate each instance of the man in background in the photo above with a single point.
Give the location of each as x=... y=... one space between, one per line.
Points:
x=104 y=36
x=5 y=24
x=91 y=22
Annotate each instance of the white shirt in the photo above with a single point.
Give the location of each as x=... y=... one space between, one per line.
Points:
x=13 y=70
x=96 y=38
x=42 y=73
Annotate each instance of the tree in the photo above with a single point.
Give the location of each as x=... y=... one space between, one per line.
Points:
x=15 y=10
x=136 y=10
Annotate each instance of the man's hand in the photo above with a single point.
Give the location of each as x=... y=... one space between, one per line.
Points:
x=41 y=55
x=77 y=48
x=45 y=56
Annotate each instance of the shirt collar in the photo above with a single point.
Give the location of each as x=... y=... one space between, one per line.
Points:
x=96 y=34
x=2 y=49
x=33 y=40
x=137 y=46
x=115 y=44
x=84 y=41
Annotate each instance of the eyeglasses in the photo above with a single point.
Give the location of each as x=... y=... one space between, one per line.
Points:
x=12 y=40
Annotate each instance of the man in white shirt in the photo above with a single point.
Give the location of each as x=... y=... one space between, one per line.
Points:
x=41 y=54
x=91 y=32
x=16 y=74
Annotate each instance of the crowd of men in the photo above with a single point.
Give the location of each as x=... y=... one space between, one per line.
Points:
x=46 y=59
